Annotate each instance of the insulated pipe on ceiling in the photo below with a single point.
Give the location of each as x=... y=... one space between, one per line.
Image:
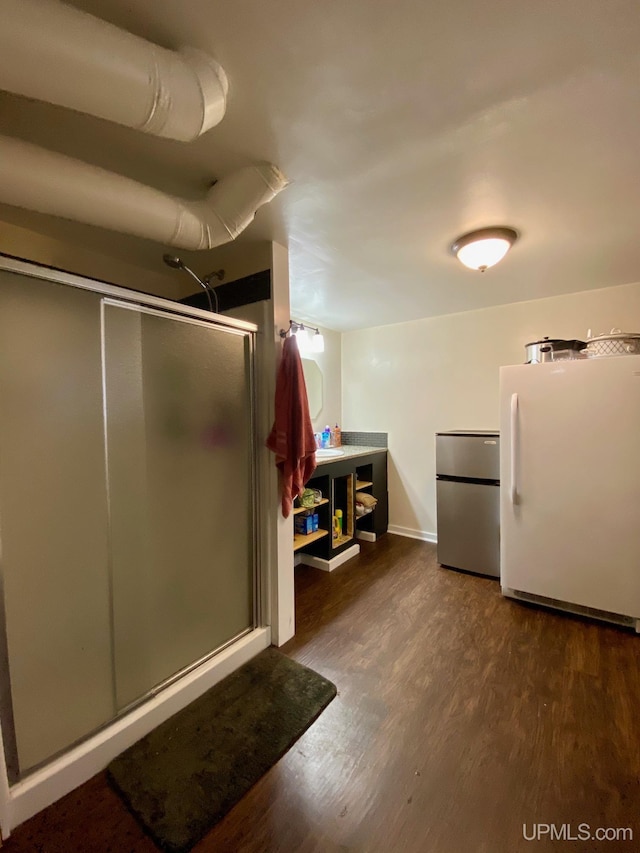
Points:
x=55 y=53
x=47 y=182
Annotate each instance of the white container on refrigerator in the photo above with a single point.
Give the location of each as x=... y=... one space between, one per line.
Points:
x=570 y=486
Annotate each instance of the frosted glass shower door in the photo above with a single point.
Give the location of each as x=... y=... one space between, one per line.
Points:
x=53 y=521
x=179 y=471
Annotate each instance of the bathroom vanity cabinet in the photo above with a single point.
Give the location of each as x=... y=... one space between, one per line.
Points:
x=360 y=469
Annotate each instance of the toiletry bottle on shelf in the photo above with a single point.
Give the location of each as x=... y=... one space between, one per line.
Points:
x=339 y=520
x=337 y=436
x=336 y=527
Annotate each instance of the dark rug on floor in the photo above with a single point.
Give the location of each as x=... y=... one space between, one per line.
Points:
x=184 y=776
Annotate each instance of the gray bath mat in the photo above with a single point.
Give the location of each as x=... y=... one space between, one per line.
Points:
x=184 y=776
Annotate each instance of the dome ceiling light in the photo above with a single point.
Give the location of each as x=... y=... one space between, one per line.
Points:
x=483 y=248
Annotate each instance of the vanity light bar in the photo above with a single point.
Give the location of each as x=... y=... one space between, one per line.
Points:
x=295 y=327
x=315 y=344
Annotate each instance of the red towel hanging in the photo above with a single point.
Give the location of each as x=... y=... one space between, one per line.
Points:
x=291 y=437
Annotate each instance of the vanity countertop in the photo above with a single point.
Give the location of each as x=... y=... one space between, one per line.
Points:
x=350 y=450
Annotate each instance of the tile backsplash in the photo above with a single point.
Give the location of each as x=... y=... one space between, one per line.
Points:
x=365 y=439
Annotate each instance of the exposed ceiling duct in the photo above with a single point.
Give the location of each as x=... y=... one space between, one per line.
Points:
x=53 y=183
x=55 y=53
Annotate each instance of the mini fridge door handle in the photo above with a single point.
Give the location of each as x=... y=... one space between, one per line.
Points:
x=513 y=448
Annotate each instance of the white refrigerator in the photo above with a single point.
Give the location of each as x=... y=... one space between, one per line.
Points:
x=570 y=485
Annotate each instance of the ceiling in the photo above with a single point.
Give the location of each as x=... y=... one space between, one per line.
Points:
x=401 y=126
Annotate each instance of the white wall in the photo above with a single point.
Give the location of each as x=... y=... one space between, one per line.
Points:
x=281 y=592
x=414 y=379
x=330 y=364
x=126 y=271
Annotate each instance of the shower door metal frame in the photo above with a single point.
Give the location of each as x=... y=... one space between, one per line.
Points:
x=158 y=306
x=196 y=321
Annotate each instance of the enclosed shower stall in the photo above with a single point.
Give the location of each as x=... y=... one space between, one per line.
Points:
x=127 y=503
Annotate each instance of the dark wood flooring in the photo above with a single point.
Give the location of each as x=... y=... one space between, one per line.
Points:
x=461 y=716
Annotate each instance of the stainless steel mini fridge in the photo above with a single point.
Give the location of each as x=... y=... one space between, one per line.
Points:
x=468 y=500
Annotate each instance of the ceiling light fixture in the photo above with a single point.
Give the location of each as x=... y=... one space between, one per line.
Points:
x=482 y=249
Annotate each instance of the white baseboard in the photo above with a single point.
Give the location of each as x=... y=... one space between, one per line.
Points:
x=334 y=562
x=61 y=776
x=410 y=533
x=366 y=535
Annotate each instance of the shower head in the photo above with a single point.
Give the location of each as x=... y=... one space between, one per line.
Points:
x=173 y=261
x=177 y=263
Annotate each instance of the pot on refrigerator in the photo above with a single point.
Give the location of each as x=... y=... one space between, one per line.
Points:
x=551 y=349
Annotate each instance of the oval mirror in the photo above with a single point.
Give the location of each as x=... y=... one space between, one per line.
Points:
x=313 y=381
